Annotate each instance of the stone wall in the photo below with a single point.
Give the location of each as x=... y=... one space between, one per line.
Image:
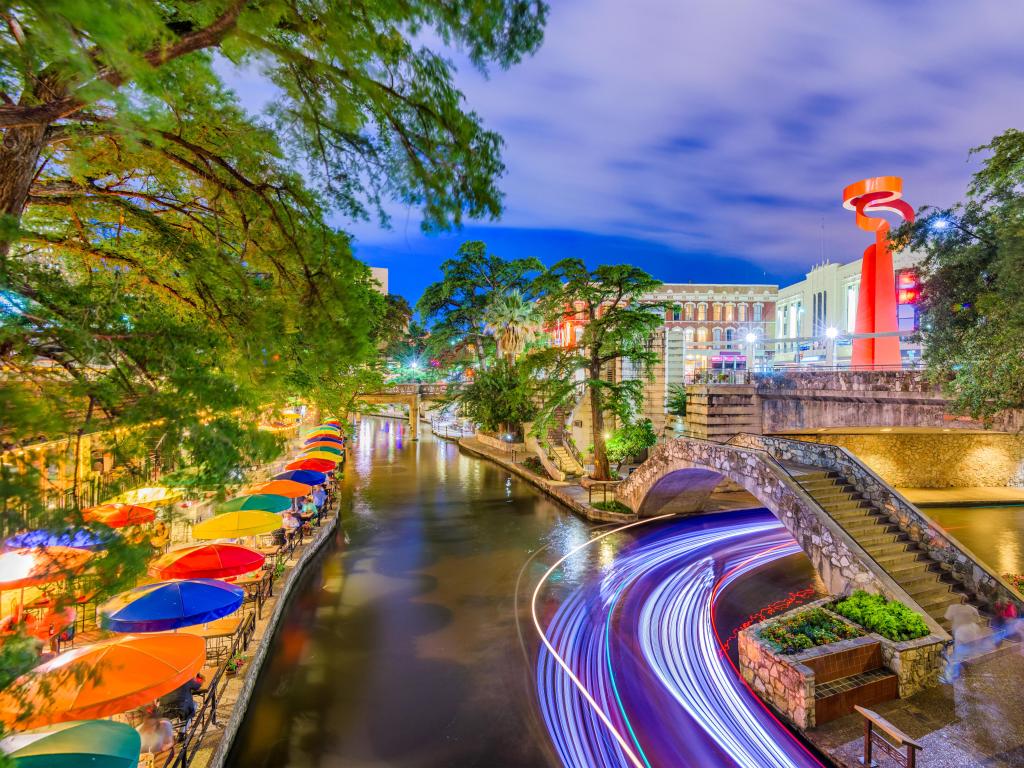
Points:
x=916 y=663
x=954 y=459
x=979 y=580
x=838 y=559
x=787 y=685
x=495 y=442
x=796 y=400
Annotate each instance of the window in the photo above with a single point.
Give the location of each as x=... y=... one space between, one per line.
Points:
x=741 y=311
x=702 y=312
x=716 y=312
x=729 y=335
x=730 y=311
x=757 y=312
x=851 y=307
x=702 y=334
x=717 y=335
x=689 y=311
x=676 y=313
x=688 y=335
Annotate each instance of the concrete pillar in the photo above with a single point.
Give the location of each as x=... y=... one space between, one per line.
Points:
x=414 y=416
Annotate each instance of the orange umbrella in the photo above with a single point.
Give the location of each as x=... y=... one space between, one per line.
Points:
x=287 y=488
x=20 y=568
x=322 y=444
x=101 y=680
x=119 y=515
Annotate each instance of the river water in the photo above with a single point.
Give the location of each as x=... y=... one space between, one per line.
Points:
x=411 y=643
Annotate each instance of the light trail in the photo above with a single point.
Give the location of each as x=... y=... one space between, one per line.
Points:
x=632 y=672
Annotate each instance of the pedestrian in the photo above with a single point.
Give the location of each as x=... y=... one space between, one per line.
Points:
x=967 y=632
x=319 y=499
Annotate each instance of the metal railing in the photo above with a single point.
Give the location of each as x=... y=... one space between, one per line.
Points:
x=605 y=486
x=888 y=739
x=191 y=738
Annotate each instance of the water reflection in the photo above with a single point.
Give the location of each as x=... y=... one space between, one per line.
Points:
x=994 y=534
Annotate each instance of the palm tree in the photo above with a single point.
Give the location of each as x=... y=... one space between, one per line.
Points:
x=513 y=320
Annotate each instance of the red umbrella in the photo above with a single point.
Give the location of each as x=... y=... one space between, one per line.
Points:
x=206 y=561
x=119 y=515
x=318 y=465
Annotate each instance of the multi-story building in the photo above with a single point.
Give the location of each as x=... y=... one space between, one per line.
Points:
x=816 y=316
x=709 y=328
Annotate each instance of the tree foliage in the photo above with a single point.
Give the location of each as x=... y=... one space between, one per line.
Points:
x=972 y=299
x=457 y=306
x=617 y=325
x=676 y=403
x=514 y=321
x=500 y=397
x=631 y=440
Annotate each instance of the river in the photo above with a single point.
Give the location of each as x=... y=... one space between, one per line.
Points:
x=411 y=642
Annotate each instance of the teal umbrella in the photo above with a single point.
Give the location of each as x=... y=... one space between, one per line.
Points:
x=81 y=744
x=265 y=501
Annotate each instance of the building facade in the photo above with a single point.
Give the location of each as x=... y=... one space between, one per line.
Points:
x=827 y=299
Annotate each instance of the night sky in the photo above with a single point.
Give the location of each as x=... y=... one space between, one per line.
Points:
x=711 y=141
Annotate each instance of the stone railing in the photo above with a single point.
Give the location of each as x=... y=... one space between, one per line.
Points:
x=978 y=579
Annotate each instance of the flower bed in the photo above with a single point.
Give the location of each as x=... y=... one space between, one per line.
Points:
x=889 y=618
x=1016 y=580
x=807 y=629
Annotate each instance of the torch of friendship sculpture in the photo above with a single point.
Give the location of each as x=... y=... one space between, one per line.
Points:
x=876 y=303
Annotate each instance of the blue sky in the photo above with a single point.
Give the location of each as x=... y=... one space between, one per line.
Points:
x=711 y=141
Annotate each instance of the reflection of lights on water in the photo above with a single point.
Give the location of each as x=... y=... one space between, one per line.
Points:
x=508 y=487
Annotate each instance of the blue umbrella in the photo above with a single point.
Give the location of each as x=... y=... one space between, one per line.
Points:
x=80 y=538
x=304 y=476
x=170 y=604
x=326 y=439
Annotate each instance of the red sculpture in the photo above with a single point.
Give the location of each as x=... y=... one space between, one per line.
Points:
x=876 y=304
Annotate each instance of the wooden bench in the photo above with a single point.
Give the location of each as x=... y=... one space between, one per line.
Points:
x=880 y=733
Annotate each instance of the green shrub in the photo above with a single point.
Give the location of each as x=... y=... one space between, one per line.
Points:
x=807 y=629
x=612 y=506
x=534 y=464
x=889 y=618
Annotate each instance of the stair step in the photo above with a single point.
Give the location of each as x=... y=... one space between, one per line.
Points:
x=853 y=514
x=846 y=684
x=864 y=525
x=924 y=594
x=882 y=550
x=902 y=558
x=886 y=537
x=922 y=582
x=936 y=606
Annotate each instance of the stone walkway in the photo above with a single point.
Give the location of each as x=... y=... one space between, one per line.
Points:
x=976 y=722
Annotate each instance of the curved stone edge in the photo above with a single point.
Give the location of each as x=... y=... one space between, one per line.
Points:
x=241 y=707
x=583 y=510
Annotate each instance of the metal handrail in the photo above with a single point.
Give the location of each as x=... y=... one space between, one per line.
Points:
x=935 y=531
x=186 y=749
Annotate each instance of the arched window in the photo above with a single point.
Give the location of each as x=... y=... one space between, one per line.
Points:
x=729 y=334
x=716 y=312
x=702 y=334
x=702 y=312
x=716 y=335
x=676 y=313
x=741 y=311
x=730 y=311
x=757 y=312
x=689 y=311
x=688 y=335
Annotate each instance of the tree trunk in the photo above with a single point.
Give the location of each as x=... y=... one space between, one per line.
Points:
x=19 y=158
x=602 y=469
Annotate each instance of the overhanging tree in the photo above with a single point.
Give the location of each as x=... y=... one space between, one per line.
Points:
x=972 y=300
x=617 y=325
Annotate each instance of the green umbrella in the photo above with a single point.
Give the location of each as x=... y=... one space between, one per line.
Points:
x=82 y=744
x=264 y=501
x=327 y=449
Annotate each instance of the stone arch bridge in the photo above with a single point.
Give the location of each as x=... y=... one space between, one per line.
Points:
x=857 y=531
x=412 y=395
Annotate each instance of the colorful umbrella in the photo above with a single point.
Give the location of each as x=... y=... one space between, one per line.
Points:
x=21 y=568
x=207 y=561
x=170 y=605
x=324 y=444
x=304 y=476
x=263 y=501
x=326 y=439
x=324 y=448
x=287 y=488
x=154 y=496
x=92 y=743
x=118 y=515
x=318 y=456
x=317 y=465
x=75 y=538
x=235 y=525
x=103 y=679
x=329 y=431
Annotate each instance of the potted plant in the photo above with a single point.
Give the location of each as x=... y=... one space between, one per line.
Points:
x=234 y=664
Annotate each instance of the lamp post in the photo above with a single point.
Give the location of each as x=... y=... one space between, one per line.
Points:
x=831 y=333
x=751 y=339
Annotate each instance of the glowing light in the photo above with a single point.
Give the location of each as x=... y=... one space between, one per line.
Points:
x=939 y=224
x=751 y=338
x=831 y=332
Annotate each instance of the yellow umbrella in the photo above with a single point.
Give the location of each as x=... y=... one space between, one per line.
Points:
x=235 y=525
x=147 y=496
x=322 y=455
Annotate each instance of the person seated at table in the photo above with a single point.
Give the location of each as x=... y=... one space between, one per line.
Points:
x=157 y=732
x=179 y=704
x=320 y=499
x=310 y=510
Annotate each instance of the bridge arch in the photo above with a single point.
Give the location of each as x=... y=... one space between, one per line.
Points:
x=680 y=474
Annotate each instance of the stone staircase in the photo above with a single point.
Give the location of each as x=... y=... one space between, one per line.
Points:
x=907 y=565
x=564 y=460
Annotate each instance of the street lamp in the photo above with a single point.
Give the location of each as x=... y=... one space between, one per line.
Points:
x=751 y=339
